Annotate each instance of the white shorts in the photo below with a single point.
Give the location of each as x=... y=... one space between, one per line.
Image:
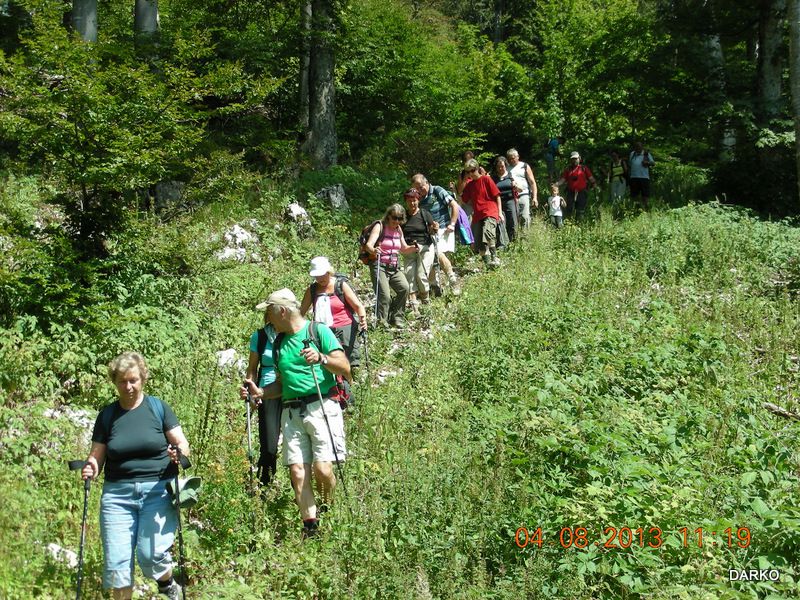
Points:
x=306 y=439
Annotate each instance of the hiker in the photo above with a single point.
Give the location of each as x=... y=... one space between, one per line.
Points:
x=333 y=302
x=617 y=177
x=444 y=209
x=133 y=443
x=526 y=182
x=577 y=177
x=308 y=434
x=466 y=156
x=384 y=245
x=261 y=368
x=555 y=204
x=508 y=195
x=552 y=149
x=418 y=230
x=640 y=162
x=484 y=197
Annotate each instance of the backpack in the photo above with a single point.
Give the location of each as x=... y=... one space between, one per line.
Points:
x=341 y=388
x=363 y=255
x=338 y=285
x=267 y=465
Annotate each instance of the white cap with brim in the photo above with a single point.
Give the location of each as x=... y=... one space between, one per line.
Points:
x=574 y=155
x=319 y=266
x=283 y=297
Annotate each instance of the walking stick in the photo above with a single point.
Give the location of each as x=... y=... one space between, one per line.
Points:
x=77 y=465
x=307 y=344
x=377 y=284
x=250 y=455
x=183 y=462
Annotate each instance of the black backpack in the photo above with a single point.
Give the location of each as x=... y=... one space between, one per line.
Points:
x=338 y=289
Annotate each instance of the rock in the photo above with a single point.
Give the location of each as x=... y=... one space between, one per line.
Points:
x=296 y=214
x=168 y=193
x=228 y=359
x=335 y=196
x=63 y=555
x=237 y=254
x=238 y=237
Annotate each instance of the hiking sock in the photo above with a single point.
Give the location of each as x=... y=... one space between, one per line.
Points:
x=163 y=586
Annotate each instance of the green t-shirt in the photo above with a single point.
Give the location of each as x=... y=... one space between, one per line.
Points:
x=296 y=378
x=136 y=448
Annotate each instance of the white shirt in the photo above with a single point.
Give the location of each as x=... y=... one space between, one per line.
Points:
x=518 y=172
x=555 y=206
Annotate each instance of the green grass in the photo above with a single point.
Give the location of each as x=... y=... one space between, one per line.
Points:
x=607 y=376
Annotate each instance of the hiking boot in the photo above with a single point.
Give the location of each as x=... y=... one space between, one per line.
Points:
x=173 y=591
x=436 y=290
x=398 y=323
x=495 y=262
x=487 y=261
x=455 y=286
x=310 y=529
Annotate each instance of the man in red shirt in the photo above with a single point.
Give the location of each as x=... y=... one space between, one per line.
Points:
x=577 y=177
x=482 y=193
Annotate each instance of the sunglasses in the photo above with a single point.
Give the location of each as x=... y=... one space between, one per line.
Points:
x=395 y=218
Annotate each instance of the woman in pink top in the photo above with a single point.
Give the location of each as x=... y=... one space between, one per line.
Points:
x=385 y=244
x=334 y=303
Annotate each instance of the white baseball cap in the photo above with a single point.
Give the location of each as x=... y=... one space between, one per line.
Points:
x=319 y=266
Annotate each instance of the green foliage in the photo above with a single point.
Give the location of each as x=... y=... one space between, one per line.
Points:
x=617 y=385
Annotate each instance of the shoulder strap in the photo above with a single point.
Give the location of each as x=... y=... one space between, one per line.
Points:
x=338 y=283
x=261 y=345
x=157 y=407
x=276 y=349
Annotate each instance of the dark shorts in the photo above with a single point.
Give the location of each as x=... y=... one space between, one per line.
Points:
x=640 y=187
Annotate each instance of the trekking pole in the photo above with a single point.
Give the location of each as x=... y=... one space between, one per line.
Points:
x=307 y=344
x=77 y=465
x=377 y=284
x=250 y=454
x=436 y=266
x=183 y=462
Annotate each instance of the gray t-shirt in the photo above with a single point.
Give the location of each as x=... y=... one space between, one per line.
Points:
x=136 y=447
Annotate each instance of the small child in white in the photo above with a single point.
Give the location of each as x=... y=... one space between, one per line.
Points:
x=556 y=203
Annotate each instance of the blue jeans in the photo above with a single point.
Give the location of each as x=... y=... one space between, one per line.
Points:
x=136 y=516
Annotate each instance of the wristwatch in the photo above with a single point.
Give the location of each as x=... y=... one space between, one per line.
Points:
x=323 y=360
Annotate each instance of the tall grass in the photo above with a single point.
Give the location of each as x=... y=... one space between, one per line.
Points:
x=607 y=376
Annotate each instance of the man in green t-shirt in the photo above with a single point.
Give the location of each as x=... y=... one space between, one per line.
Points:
x=307 y=447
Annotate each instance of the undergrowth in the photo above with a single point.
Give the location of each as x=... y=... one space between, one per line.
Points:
x=608 y=376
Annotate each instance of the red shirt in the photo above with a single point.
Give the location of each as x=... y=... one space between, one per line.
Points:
x=577 y=178
x=482 y=193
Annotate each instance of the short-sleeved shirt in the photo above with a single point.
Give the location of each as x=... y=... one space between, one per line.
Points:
x=415 y=228
x=482 y=193
x=437 y=202
x=638 y=170
x=577 y=177
x=296 y=377
x=267 y=364
x=136 y=445
x=506 y=187
x=552 y=147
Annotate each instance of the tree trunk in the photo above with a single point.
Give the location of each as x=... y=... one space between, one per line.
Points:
x=322 y=146
x=499 y=8
x=770 y=59
x=794 y=78
x=84 y=19
x=305 y=62
x=145 y=25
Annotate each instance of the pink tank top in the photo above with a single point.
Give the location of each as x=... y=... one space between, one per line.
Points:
x=390 y=247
